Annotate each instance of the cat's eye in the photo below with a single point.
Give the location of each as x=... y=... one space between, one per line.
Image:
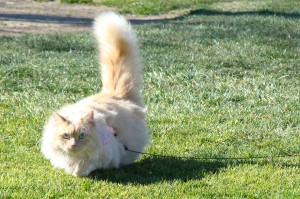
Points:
x=82 y=135
x=66 y=136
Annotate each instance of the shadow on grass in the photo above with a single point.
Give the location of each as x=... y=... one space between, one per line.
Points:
x=76 y=21
x=206 y=12
x=155 y=169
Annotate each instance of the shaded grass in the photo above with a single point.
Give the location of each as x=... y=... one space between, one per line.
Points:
x=216 y=85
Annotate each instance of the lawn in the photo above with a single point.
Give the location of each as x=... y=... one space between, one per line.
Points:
x=223 y=81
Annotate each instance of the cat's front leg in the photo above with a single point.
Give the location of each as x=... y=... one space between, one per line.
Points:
x=82 y=170
x=69 y=168
x=78 y=171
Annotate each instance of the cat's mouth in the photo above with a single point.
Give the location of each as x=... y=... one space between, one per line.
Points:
x=72 y=149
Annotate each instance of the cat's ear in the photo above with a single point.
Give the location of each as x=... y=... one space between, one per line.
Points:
x=57 y=117
x=89 y=117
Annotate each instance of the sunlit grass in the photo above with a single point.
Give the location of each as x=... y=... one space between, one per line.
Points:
x=217 y=84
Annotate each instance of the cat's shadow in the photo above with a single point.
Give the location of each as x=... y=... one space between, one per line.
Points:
x=155 y=169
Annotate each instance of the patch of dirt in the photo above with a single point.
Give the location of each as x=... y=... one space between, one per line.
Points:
x=19 y=17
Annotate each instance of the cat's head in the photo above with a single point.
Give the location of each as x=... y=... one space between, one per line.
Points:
x=73 y=137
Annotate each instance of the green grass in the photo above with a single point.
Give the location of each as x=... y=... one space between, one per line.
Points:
x=218 y=83
x=145 y=7
x=153 y=7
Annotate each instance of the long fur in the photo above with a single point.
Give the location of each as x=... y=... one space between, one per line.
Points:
x=119 y=57
x=78 y=137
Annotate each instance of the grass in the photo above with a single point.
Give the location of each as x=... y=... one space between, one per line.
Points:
x=144 y=7
x=153 y=7
x=218 y=83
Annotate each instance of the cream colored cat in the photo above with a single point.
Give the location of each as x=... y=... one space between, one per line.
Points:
x=91 y=133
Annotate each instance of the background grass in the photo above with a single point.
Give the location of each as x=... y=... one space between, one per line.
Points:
x=221 y=82
x=145 y=7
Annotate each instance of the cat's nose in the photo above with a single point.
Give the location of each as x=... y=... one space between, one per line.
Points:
x=72 y=143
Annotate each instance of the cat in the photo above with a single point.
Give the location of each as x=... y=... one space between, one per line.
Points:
x=95 y=132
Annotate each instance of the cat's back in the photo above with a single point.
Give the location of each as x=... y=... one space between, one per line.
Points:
x=104 y=101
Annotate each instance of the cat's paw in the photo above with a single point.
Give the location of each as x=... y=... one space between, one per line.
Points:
x=80 y=174
x=76 y=174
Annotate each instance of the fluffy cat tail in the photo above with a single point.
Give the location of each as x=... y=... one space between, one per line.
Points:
x=119 y=57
